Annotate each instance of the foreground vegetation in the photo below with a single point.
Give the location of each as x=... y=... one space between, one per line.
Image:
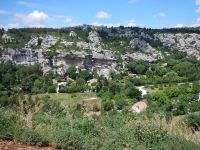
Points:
x=70 y=129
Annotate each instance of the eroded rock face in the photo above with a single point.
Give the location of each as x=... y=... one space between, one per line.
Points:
x=83 y=45
x=43 y=42
x=49 y=41
x=139 y=56
x=33 y=42
x=72 y=34
x=150 y=54
x=94 y=37
x=7 y=38
x=141 y=44
x=95 y=41
x=189 y=43
x=62 y=60
x=71 y=50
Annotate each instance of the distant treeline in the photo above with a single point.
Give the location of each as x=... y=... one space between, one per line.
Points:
x=112 y=29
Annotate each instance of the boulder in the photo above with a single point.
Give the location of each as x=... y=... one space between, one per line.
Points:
x=139 y=107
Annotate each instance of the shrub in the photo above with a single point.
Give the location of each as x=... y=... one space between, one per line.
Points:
x=120 y=103
x=31 y=137
x=193 y=122
x=8 y=125
x=175 y=142
x=108 y=105
x=8 y=101
x=51 y=89
x=68 y=139
x=84 y=125
x=133 y=92
x=151 y=135
x=40 y=118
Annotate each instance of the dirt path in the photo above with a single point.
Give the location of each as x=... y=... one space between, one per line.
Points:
x=142 y=89
x=90 y=99
x=10 y=145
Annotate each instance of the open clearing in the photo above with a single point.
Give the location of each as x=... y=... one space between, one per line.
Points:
x=65 y=99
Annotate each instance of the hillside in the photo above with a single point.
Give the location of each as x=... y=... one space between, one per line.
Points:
x=99 y=88
x=102 y=48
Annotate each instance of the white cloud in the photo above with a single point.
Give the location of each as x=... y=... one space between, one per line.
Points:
x=197 y=2
x=179 y=25
x=133 y=1
x=2 y=12
x=33 y=19
x=103 y=15
x=159 y=15
x=198 y=6
x=196 y=23
x=131 y=23
x=68 y=20
x=26 y=4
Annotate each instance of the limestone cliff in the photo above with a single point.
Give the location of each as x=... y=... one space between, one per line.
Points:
x=97 y=48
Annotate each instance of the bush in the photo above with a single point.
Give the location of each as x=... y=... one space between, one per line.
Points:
x=40 y=118
x=84 y=125
x=193 y=122
x=150 y=135
x=8 y=101
x=71 y=71
x=133 y=92
x=51 y=89
x=120 y=103
x=68 y=139
x=175 y=142
x=108 y=105
x=8 y=126
x=31 y=137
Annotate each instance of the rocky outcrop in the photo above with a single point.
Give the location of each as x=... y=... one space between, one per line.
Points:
x=149 y=53
x=7 y=39
x=139 y=107
x=32 y=43
x=142 y=45
x=139 y=56
x=49 y=41
x=94 y=37
x=83 y=45
x=72 y=34
x=189 y=43
x=56 y=53
x=43 y=42
x=61 y=61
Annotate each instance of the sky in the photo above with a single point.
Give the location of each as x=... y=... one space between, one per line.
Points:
x=65 y=13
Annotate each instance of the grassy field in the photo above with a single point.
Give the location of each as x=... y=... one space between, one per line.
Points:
x=65 y=99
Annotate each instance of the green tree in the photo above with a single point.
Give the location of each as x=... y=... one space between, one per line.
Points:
x=114 y=87
x=71 y=71
x=133 y=92
x=139 y=67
